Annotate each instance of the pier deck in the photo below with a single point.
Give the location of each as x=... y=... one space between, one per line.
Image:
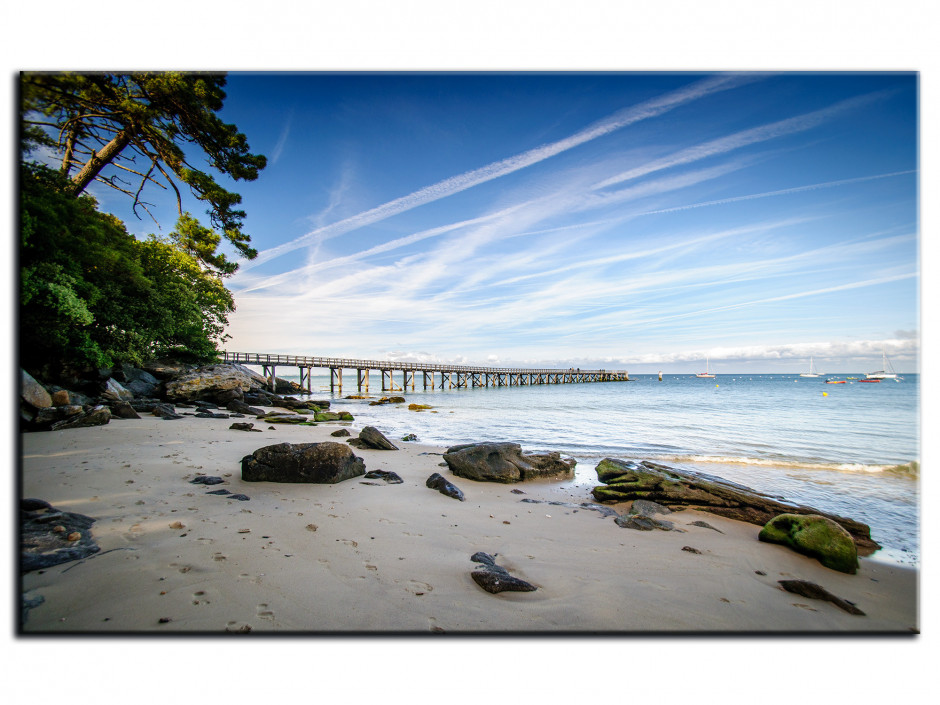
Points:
x=449 y=376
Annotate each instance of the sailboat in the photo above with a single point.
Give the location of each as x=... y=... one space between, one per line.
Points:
x=886 y=371
x=705 y=373
x=812 y=370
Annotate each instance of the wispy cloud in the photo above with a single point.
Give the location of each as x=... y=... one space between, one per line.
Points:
x=456 y=184
x=282 y=140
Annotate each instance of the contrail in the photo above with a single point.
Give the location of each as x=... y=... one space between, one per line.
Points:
x=455 y=184
x=781 y=192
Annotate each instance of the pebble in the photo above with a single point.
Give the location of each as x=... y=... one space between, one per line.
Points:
x=74 y=536
x=177 y=525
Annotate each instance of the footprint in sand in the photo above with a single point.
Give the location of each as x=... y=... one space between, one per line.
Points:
x=199 y=597
x=264 y=612
x=240 y=627
x=181 y=568
x=418 y=588
x=349 y=542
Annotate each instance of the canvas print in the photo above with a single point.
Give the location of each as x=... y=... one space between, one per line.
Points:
x=450 y=353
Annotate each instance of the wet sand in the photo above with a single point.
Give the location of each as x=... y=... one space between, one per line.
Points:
x=363 y=556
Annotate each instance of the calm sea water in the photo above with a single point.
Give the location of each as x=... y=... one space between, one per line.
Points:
x=849 y=449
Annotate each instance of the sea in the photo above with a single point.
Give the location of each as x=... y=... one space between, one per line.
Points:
x=849 y=449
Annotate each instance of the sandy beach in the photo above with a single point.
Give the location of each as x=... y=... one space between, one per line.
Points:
x=363 y=556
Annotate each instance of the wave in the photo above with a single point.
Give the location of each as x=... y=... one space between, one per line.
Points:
x=911 y=469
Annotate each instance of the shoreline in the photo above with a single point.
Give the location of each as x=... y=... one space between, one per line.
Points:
x=363 y=557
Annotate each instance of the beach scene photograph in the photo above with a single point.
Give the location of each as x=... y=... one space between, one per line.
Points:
x=480 y=359
x=469 y=352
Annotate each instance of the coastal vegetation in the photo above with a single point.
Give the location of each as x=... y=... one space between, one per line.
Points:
x=93 y=295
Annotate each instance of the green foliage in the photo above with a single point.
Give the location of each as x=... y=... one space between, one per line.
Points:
x=93 y=295
x=128 y=131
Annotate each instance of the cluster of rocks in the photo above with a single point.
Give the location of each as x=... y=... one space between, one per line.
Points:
x=49 y=536
x=162 y=388
x=654 y=489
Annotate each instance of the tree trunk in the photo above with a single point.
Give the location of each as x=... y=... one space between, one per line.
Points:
x=99 y=160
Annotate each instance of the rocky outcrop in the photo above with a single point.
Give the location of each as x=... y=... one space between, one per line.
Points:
x=505 y=462
x=33 y=393
x=95 y=416
x=814 y=536
x=112 y=390
x=627 y=480
x=50 y=536
x=324 y=463
x=205 y=382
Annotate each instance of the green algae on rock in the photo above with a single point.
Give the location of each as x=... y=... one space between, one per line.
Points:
x=814 y=536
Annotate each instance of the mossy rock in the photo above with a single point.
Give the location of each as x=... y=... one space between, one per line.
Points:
x=814 y=536
x=333 y=416
x=610 y=471
x=419 y=407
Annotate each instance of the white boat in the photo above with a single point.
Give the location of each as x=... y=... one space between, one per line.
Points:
x=886 y=371
x=812 y=370
x=705 y=373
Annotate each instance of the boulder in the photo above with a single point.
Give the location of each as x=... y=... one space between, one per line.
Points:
x=112 y=390
x=34 y=393
x=505 y=462
x=814 y=536
x=63 y=397
x=165 y=411
x=373 y=438
x=207 y=382
x=323 y=463
x=240 y=407
x=123 y=410
x=46 y=417
x=228 y=396
x=166 y=369
x=95 y=416
x=342 y=433
x=629 y=481
x=49 y=536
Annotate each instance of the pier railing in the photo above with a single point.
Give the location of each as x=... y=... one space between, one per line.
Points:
x=454 y=376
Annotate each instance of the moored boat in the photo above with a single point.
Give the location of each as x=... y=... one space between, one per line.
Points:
x=886 y=371
x=812 y=370
x=705 y=373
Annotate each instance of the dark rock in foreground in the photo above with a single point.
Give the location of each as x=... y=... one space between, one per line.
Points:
x=626 y=481
x=439 y=483
x=505 y=462
x=494 y=578
x=813 y=591
x=814 y=536
x=373 y=438
x=392 y=478
x=324 y=463
x=49 y=536
x=95 y=416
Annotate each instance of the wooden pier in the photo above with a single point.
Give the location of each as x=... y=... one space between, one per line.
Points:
x=432 y=376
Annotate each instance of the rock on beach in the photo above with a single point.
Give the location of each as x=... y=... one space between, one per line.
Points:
x=326 y=463
x=505 y=462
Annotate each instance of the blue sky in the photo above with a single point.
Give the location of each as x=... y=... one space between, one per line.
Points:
x=622 y=220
